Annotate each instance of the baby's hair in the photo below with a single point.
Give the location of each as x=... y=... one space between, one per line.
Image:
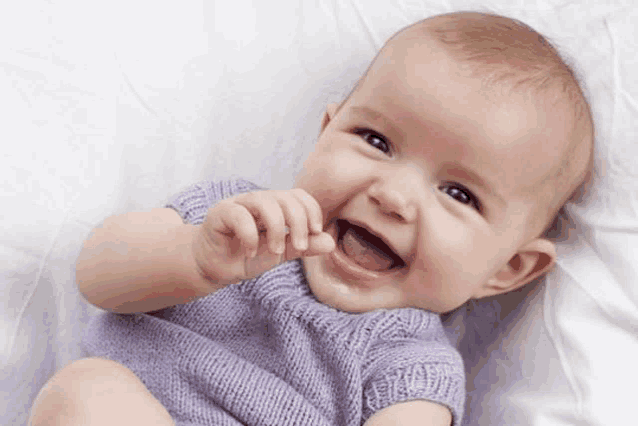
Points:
x=508 y=54
x=502 y=50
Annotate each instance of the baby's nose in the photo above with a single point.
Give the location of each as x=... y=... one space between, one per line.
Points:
x=393 y=201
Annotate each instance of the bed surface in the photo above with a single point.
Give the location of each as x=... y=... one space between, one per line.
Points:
x=110 y=107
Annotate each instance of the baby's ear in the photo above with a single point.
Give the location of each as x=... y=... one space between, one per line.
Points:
x=530 y=262
x=329 y=113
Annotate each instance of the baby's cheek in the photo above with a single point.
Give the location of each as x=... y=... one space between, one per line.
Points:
x=456 y=250
x=444 y=233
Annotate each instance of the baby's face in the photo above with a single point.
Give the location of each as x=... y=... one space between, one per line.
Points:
x=422 y=178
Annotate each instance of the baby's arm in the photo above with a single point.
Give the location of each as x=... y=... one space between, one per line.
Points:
x=412 y=413
x=144 y=261
x=139 y=262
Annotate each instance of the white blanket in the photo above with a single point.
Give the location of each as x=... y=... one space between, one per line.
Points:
x=112 y=106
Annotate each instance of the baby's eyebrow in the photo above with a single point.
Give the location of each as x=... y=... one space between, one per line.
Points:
x=374 y=115
x=364 y=110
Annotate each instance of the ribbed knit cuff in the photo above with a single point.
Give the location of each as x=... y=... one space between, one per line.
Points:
x=440 y=383
x=193 y=203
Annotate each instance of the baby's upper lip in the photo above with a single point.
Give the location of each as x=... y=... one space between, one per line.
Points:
x=377 y=234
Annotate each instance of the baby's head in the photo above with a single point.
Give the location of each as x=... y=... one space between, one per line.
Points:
x=441 y=171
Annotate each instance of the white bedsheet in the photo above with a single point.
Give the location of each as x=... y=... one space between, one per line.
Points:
x=112 y=106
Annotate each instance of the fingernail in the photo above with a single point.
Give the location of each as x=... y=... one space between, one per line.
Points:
x=252 y=253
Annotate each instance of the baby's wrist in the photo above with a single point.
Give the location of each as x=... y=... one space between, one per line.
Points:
x=209 y=274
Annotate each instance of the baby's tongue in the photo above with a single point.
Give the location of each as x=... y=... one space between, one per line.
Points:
x=364 y=253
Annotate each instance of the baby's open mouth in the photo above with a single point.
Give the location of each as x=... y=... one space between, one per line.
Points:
x=365 y=249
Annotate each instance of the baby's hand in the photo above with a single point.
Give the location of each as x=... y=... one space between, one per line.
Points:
x=246 y=235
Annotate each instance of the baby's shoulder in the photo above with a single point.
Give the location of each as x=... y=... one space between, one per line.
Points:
x=412 y=359
x=411 y=333
x=399 y=327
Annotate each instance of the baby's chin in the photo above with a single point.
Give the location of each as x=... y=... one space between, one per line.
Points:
x=344 y=296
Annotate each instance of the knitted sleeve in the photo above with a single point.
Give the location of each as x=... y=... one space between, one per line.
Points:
x=414 y=369
x=193 y=202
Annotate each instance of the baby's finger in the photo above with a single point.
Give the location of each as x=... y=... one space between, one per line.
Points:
x=321 y=243
x=269 y=215
x=317 y=244
x=296 y=219
x=235 y=219
x=313 y=210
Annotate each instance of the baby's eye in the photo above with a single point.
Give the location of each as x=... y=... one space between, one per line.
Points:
x=374 y=139
x=460 y=194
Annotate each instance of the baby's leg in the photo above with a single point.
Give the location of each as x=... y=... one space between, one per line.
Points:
x=95 y=392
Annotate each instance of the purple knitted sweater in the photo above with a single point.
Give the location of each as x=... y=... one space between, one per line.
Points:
x=266 y=352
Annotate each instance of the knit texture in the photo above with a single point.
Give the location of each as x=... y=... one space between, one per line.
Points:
x=266 y=352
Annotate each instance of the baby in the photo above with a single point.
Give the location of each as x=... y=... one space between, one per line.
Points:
x=433 y=183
